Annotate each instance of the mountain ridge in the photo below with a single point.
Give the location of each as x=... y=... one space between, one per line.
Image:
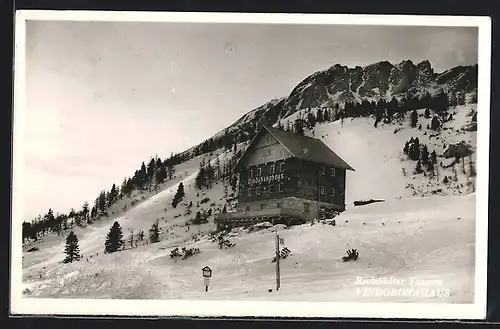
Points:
x=338 y=84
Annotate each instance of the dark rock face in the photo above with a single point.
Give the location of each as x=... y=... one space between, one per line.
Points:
x=376 y=81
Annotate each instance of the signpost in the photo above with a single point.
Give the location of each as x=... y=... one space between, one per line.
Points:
x=277 y=261
x=206 y=272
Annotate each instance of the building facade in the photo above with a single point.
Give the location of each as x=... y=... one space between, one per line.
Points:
x=287 y=171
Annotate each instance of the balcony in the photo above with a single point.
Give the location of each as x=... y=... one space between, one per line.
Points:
x=274 y=215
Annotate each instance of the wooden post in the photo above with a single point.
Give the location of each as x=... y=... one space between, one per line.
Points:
x=319 y=196
x=277 y=261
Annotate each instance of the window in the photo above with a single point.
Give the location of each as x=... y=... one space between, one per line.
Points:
x=322 y=170
x=306 y=207
x=299 y=182
x=259 y=171
x=322 y=190
x=332 y=172
x=271 y=188
x=247 y=208
x=272 y=168
x=250 y=173
x=263 y=206
x=249 y=192
x=278 y=205
x=282 y=167
x=333 y=191
x=257 y=190
x=264 y=189
x=280 y=187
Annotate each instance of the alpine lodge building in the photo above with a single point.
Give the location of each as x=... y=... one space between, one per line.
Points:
x=286 y=178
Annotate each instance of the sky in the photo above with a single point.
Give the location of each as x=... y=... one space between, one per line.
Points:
x=101 y=97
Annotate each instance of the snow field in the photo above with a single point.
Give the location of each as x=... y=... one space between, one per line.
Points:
x=414 y=233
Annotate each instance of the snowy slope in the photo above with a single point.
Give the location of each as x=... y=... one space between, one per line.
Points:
x=401 y=239
x=140 y=217
x=377 y=155
x=409 y=235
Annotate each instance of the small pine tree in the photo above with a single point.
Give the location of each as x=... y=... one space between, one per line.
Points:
x=433 y=157
x=413 y=119
x=418 y=168
x=406 y=148
x=435 y=124
x=224 y=210
x=131 y=238
x=114 y=239
x=472 y=168
x=424 y=155
x=179 y=195
x=414 y=151
x=71 y=249
x=427 y=113
x=430 y=166
x=154 y=233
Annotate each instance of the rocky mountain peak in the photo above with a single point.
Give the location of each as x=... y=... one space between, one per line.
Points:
x=340 y=84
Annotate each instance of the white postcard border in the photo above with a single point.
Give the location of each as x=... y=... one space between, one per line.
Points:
x=38 y=306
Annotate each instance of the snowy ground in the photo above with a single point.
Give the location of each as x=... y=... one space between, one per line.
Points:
x=414 y=233
x=425 y=238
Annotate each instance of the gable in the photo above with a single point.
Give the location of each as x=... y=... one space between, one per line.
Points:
x=265 y=148
x=271 y=144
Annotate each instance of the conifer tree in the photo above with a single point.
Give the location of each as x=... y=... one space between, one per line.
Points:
x=154 y=233
x=406 y=149
x=114 y=239
x=179 y=195
x=200 y=180
x=414 y=150
x=472 y=168
x=424 y=156
x=142 y=176
x=71 y=249
x=131 y=238
x=298 y=126
x=435 y=123
x=217 y=169
x=234 y=183
x=102 y=202
x=430 y=166
x=413 y=119
x=418 y=168
x=427 y=113
x=319 y=116
x=433 y=157
x=85 y=210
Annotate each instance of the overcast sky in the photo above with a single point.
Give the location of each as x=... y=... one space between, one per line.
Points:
x=103 y=97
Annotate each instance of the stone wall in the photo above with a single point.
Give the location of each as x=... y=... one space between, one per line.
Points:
x=289 y=203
